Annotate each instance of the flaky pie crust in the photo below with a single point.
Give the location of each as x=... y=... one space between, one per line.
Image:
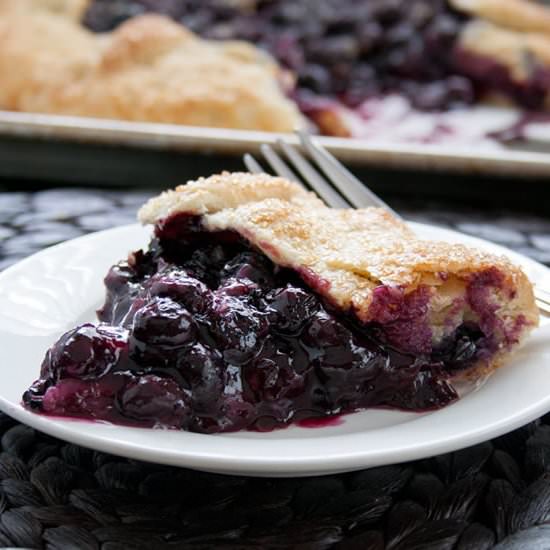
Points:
x=73 y=9
x=344 y=254
x=519 y=15
x=515 y=34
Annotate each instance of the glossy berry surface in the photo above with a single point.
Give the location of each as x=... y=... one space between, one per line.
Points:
x=86 y=352
x=346 y=49
x=215 y=337
x=349 y=50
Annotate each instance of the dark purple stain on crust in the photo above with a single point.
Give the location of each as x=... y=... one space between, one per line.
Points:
x=480 y=293
x=513 y=333
x=269 y=249
x=316 y=283
x=491 y=76
x=179 y=225
x=403 y=317
x=480 y=296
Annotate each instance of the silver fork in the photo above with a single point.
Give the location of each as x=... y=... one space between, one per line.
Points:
x=334 y=183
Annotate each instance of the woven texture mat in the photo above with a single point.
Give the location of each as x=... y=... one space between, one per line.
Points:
x=60 y=496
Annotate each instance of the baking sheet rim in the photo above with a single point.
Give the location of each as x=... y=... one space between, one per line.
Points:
x=499 y=162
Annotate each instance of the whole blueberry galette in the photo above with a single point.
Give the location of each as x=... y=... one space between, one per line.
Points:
x=256 y=306
x=438 y=54
x=265 y=65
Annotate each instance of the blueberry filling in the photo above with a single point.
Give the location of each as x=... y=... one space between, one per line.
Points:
x=204 y=333
x=349 y=50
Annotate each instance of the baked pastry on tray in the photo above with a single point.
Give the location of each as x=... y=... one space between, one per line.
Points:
x=149 y=69
x=505 y=48
x=255 y=306
x=439 y=54
x=73 y=9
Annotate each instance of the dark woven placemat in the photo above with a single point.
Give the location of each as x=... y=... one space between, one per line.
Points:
x=60 y=496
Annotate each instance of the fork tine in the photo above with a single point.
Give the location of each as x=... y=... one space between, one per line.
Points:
x=542 y=294
x=252 y=164
x=357 y=193
x=278 y=164
x=544 y=307
x=317 y=182
x=542 y=299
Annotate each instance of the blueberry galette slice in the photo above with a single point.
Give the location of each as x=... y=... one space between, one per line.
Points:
x=255 y=306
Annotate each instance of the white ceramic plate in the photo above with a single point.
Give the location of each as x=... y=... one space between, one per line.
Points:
x=54 y=290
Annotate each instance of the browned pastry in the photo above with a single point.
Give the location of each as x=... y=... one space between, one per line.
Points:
x=520 y=15
x=519 y=52
x=348 y=255
x=506 y=48
x=73 y=9
x=149 y=69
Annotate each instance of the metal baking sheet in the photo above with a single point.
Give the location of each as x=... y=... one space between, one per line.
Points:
x=466 y=159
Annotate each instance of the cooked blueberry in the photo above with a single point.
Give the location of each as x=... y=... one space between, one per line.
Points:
x=251 y=266
x=369 y=36
x=459 y=349
x=402 y=33
x=263 y=371
x=324 y=331
x=87 y=398
x=293 y=307
x=460 y=90
x=237 y=287
x=122 y=289
x=238 y=328
x=290 y=13
x=426 y=391
x=152 y=398
x=182 y=288
x=87 y=352
x=409 y=61
x=237 y=413
x=34 y=396
x=347 y=384
x=442 y=32
x=421 y=13
x=119 y=276
x=200 y=366
x=160 y=329
x=316 y=78
x=273 y=377
x=387 y=12
x=201 y=263
x=163 y=322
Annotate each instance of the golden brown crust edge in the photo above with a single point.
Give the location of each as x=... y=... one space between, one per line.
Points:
x=149 y=69
x=514 y=50
x=519 y=15
x=514 y=34
x=73 y=9
x=346 y=254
